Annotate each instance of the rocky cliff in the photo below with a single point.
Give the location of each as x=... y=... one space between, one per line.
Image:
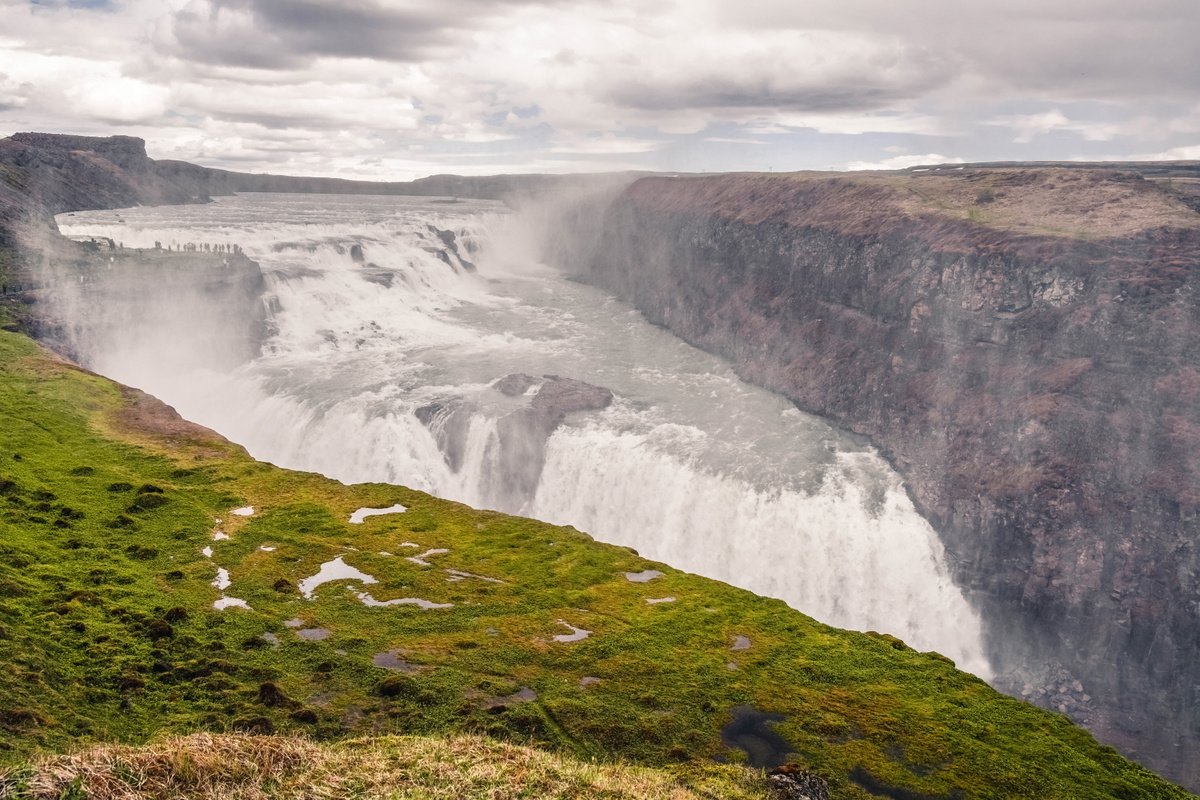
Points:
x=1022 y=344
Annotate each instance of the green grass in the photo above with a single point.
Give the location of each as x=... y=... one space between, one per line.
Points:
x=107 y=631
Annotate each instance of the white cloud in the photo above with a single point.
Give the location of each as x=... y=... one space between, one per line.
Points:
x=325 y=85
x=734 y=140
x=903 y=162
x=1189 y=152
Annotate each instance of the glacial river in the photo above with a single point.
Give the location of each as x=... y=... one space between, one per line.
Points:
x=382 y=308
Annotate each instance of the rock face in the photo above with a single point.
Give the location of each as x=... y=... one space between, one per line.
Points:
x=1040 y=391
x=107 y=292
x=526 y=411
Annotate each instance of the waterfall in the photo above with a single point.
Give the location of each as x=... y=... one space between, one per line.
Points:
x=398 y=348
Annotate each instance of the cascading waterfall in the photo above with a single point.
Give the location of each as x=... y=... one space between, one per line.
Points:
x=383 y=361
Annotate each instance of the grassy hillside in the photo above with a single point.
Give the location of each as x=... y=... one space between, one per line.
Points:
x=108 y=631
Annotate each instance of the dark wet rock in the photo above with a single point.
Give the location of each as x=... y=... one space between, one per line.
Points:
x=356 y=253
x=789 y=782
x=557 y=397
x=514 y=384
x=449 y=421
x=522 y=431
x=451 y=255
x=753 y=731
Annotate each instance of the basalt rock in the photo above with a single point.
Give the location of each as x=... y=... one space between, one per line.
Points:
x=522 y=428
x=1038 y=390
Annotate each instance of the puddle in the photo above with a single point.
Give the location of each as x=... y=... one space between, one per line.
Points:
x=420 y=560
x=368 y=600
x=335 y=570
x=222 y=580
x=645 y=576
x=245 y=511
x=314 y=634
x=588 y=680
x=753 y=731
x=458 y=575
x=358 y=516
x=653 y=601
x=576 y=634
x=409 y=544
x=266 y=548
x=270 y=639
x=391 y=660
x=294 y=622
x=385 y=553
x=740 y=643
x=207 y=552
x=230 y=602
x=522 y=695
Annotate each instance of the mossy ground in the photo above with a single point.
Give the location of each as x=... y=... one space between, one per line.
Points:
x=108 y=631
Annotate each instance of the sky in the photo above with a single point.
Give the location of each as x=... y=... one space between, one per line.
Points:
x=398 y=89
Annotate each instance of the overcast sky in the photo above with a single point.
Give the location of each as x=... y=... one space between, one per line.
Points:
x=397 y=89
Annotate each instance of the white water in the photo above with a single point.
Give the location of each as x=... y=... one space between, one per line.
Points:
x=689 y=465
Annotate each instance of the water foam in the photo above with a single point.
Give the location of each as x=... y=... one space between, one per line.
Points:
x=690 y=466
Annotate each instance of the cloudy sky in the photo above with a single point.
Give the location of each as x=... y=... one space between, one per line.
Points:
x=396 y=89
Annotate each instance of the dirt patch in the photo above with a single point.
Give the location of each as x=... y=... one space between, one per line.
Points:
x=144 y=415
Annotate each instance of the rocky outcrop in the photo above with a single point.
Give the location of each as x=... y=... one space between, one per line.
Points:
x=1022 y=345
x=526 y=410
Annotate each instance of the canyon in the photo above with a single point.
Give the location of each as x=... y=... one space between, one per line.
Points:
x=1021 y=343
x=1017 y=341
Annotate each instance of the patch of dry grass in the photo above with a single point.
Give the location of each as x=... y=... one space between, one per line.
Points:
x=242 y=767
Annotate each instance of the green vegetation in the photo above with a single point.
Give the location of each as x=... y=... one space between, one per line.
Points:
x=108 y=631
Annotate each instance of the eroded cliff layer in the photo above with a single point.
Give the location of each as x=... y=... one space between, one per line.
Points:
x=1022 y=344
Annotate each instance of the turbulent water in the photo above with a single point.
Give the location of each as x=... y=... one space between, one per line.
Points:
x=387 y=314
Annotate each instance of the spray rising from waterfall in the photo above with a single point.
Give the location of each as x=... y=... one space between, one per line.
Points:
x=398 y=347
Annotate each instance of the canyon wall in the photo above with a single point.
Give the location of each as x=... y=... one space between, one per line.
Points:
x=1021 y=344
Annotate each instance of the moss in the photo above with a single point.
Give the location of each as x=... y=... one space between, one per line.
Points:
x=110 y=632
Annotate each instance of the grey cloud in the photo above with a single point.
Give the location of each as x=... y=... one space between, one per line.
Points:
x=713 y=95
x=884 y=77
x=285 y=34
x=1101 y=49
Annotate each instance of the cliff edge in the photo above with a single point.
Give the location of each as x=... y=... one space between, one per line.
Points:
x=1021 y=343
